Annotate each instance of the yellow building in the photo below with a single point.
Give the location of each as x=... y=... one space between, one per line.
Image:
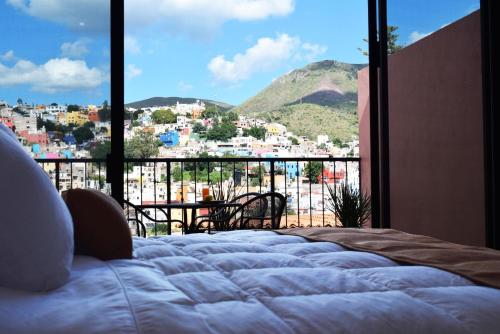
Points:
x=275 y=129
x=76 y=118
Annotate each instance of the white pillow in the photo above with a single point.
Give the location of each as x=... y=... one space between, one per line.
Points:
x=36 y=230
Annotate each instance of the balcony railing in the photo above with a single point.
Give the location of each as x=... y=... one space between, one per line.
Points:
x=167 y=180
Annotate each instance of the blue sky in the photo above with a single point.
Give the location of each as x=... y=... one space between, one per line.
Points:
x=58 y=50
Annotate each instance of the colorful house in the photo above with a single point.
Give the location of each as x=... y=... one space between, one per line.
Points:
x=69 y=139
x=34 y=138
x=169 y=139
x=7 y=121
x=76 y=118
x=329 y=176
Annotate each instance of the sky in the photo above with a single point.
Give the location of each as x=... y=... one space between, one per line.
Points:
x=224 y=50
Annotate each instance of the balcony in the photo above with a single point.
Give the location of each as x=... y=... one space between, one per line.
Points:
x=304 y=182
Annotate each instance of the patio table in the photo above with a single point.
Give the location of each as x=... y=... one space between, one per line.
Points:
x=211 y=205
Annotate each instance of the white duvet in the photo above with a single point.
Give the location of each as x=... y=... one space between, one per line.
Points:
x=252 y=282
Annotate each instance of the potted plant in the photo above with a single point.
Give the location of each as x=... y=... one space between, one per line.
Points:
x=350 y=206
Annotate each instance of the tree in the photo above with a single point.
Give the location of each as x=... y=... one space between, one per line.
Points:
x=73 y=107
x=100 y=150
x=49 y=125
x=142 y=146
x=256 y=176
x=230 y=117
x=337 y=142
x=256 y=132
x=294 y=140
x=199 y=128
x=39 y=123
x=313 y=170
x=83 y=134
x=212 y=111
x=222 y=132
x=104 y=114
x=164 y=116
x=392 y=41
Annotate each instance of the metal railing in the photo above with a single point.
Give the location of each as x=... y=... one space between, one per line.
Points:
x=304 y=181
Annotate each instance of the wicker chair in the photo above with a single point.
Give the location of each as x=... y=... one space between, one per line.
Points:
x=260 y=212
x=139 y=213
x=221 y=215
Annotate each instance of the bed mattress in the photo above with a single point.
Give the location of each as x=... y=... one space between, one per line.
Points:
x=252 y=282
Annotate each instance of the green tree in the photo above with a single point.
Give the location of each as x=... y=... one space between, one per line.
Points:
x=83 y=134
x=230 y=116
x=178 y=174
x=100 y=150
x=142 y=146
x=49 y=125
x=104 y=113
x=256 y=132
x=222 y=132
x=164 y=116
x=199 y=128
x=392 y=41
x=337 y=142
x=313 y=170
x=73 y=107
x=256 y=175
x=294 y=140
x=212 y=111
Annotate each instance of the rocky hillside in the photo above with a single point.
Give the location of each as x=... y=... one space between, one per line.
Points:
x=319 y=98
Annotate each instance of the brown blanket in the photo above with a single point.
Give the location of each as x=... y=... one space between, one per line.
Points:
x=480 y=265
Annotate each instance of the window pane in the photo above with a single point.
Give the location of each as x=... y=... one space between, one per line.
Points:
x=252 y=79
x=54 y=81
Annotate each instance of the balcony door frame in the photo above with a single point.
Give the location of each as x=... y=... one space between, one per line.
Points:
x=490 y=39
x=379 y=110
x=115 y=160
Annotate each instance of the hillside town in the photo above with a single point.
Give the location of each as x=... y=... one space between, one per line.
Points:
x=182 y=131
x=70 y=131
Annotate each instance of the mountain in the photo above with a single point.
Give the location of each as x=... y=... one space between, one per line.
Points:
x=170 y=101
x=320 y=98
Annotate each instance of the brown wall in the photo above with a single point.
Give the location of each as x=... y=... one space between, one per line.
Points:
x=436 y=139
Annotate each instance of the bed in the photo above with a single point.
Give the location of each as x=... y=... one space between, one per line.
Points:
x=252 y=282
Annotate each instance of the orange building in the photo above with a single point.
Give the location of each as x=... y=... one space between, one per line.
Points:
x=93 y=116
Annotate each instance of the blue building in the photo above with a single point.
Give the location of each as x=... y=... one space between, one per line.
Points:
x=69 y=139
x=36 y=148
x=292 y=171
x=67 y=154
x=171 y=138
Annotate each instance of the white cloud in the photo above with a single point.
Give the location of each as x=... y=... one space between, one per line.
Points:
x=313 y=51
x=416 y=36
x=90 y=15
x=199 y=18
x=266 y=55
x=185 y=87
x=132 y=71
x=56 y=75
x=132 y=45
x=77 y=49
x=8 y=56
